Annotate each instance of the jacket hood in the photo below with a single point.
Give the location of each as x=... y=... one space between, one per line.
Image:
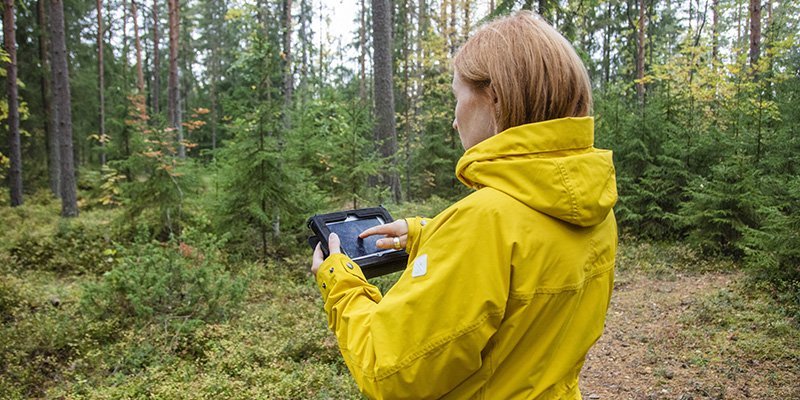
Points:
x=551 y=166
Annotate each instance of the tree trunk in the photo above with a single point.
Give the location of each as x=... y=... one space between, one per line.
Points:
x=138 y=44
x=739 y=29
x=173 y=105
x=640 y=54
x=755 y=32
x=467 y=17
x=186 y=58
x=607 y=32
x=362 y=57
x=452 y=31
x=125 y=45
x=51 y=133
x=304 y=41
x=214 y=68
x=385 y=128
x=156 y=62
x=15 y=172
x=715 y=33
x=288 y=77
x=61 y=94
x=407 y=45
x=101 y=82
x=214 y=105
x=769 y=17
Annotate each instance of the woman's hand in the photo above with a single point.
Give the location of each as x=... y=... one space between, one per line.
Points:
x=333 y=246
x=396 y=234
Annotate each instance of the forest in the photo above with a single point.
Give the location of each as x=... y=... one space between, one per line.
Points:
x=162 y=158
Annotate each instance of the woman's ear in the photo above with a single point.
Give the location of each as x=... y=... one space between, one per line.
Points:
x=492 y=94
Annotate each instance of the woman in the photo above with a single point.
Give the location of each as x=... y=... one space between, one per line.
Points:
x=508 y=288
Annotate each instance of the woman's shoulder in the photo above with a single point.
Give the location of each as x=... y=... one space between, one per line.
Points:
x=486 y=203
x=491 y=200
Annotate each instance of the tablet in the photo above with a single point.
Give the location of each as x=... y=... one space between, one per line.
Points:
x=348 y=225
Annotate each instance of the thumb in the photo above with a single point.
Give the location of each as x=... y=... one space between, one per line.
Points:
x=334 y=244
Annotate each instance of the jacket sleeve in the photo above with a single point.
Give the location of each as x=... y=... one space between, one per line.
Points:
x=428 y=334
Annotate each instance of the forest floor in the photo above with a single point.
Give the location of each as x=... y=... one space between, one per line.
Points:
x=680 y=327
x=689 y=335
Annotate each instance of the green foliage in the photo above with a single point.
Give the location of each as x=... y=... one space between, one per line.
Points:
x=43 y=334
x=42 y=241
x=723 y=207
x=72 y=248
x=265 y=190
x=12 y=298
x=743 y=322
x=280 y=349
x=160 y=187
x=100 y=188
x=337 y=148
x=174 y=284
x=662 y=259
x=651 y=174
x=773 y=251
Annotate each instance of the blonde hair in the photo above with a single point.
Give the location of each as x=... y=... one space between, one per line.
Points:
x=534 y=71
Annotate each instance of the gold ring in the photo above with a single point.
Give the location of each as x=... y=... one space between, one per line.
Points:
x=396 y=242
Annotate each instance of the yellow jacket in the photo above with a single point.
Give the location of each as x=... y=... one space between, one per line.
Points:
x=505 y=291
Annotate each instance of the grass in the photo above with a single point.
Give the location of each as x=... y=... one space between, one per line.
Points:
x=276 y=344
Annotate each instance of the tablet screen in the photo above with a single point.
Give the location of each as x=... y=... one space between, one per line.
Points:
x=348 y=231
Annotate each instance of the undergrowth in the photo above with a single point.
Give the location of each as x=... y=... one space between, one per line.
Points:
x=89 y=312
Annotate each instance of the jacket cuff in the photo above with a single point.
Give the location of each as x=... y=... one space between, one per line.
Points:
x=415 y=226
x=337 y=268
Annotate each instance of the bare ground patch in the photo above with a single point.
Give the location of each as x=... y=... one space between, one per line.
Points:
x=691 y=336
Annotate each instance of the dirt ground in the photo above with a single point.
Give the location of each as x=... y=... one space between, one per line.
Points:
x=653 y=347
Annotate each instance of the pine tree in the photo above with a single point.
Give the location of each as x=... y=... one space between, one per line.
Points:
x=48 y=109
x=101 y=85
x=15 y=172
x=385 y=126
x=63 y=101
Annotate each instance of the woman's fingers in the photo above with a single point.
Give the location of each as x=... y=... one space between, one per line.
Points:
x=384 y=229
x=334 y=247
x=389 y=243
x=334 y=244
x=396 y=228
x=316 y=259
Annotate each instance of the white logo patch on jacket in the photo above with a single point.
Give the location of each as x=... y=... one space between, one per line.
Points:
x=420 y=266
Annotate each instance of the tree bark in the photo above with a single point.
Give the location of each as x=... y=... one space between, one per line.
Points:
x=453 y=29
x=138 y=44
x=15 y=172
x=173 y=105
x=304 y=41
x=101 y=84
x=215 y=15
x=385 y=127
x=407 y=26
x=755 y=32
x=156 y=62
x=288 y=77
x=51 y=133
x=467 y=18
x=61 y=94
x=715 y=32
x=362 y=57
x=607 y=32
x=640 y=54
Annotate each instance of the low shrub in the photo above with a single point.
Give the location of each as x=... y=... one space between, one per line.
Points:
x=71 y=246
x=175 y=284
x=12 y=298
